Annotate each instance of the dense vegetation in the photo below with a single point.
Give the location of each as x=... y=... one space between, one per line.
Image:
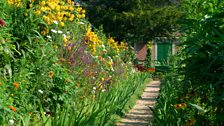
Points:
x=56 y=70
x=192 y=94
x=135 y=21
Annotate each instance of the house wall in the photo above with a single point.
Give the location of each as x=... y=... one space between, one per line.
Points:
x=141 y=51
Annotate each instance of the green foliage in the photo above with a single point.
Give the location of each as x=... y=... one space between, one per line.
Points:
x=53 y=77
x=204 y=52
x=199 y=78
x=98 y=109
x=134 y=21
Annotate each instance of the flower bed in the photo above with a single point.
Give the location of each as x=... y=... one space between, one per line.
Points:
x=56 y=70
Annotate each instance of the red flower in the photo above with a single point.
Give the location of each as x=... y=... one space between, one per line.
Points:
x=2 y=23
x=151 y=69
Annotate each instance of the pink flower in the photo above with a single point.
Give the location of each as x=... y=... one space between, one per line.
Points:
x=2 y=23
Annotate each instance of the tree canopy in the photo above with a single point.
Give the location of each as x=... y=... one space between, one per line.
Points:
x=134 y=20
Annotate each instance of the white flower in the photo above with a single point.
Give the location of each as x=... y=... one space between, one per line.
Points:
x=56 y=22
x=94 y=88
x=40 y=91
x=81 y=23
x=48 y=36
x=103 y=90
x=53 y=30
x=95 y=57
x=64 y=36
x=109 y=57
x=60 y=32
x=11 y=122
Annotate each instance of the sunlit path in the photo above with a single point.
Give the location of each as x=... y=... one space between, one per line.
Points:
x=140 y=115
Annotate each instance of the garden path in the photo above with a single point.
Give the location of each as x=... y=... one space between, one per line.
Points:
x=140 y=114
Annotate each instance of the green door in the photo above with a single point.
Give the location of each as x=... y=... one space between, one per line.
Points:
x=164 y=50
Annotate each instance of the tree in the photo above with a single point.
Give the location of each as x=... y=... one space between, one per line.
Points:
x=134 y=20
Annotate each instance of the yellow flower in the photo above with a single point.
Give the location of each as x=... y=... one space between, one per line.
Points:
x=65 y=19
x=83 y=11
x=72 y=15
x=83 y=15
x=70 y=8
x=66 y=7
x=59 y=18
x=64 y=40
x=68 y=14
x=17 y=3
x=64 y=44
x=62 y=2
x=62 y=24
x=79 y=9
x=43 y=33
x=57 y=8
x=72 y=3
x=79 y=16
x=37 y=12
x=42 y=3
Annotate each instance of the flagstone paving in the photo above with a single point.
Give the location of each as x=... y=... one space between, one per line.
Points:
x=140 y=114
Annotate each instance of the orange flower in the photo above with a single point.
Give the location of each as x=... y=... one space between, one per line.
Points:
x=69 y=62
x=61 y=59
x=12 y=108
x=151 y=69
x=51 y=74
x=16 y=85
x=89 y=73
x=178 y=106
